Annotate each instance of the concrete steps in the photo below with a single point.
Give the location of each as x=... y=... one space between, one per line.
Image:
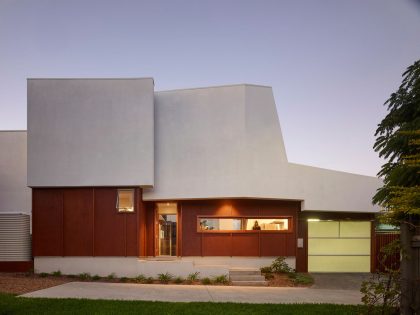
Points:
x=244 y=272
x=247 y=277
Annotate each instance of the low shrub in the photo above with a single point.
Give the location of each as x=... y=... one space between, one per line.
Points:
x=140 y=279
x=206 y=281
x=266 y=269
x=44 y=274
x=85 y=276
x=223 y=279
x=279 y=265
x=149 y=280
x=111 y=276
x=382 y=292
x=96 y=277
x=165 y=277
x=71 y=276
x=57 y=273
x=192 y=277
x=123 y=279
x=178 y=280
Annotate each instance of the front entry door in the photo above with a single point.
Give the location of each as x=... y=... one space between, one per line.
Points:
x=166 y=217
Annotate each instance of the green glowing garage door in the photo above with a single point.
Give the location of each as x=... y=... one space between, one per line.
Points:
x=339 y=246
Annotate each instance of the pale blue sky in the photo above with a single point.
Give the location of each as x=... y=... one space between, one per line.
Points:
x=331 y=64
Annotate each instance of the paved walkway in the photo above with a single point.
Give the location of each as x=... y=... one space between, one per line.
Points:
x=197 y=293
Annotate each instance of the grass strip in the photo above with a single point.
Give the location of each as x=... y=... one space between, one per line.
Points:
x=10 y=304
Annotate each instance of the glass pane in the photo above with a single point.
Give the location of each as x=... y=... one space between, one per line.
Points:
x=126 y=200
x=267 y=224
x=355 y=229
x=323 y=229
x=167 y=217
x=243 y=224
x=219 y=224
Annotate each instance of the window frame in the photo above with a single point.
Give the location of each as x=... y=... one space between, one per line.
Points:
x=289 y=230
x=133 y=191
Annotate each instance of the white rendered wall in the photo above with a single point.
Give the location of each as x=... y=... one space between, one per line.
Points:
x=213 y=142
x=217 y=142
x=132 y=267
x=226 y=142
x=14 y=195
x=90 y=132
x=327 y=190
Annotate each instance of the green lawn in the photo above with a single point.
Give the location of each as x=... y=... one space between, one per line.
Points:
x=10 y=304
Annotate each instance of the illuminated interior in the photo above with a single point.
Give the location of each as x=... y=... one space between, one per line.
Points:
x=243 y=224
x=125 y=200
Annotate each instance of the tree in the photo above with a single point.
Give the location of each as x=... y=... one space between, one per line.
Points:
x=398 y=141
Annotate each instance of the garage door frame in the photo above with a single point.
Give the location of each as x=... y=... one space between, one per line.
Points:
x=339 y=245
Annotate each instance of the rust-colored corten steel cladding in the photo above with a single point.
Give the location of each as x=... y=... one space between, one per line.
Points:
x=237 y=243
x=16 y=266
x=78 y=221
x=47 y=222
x=84 y=222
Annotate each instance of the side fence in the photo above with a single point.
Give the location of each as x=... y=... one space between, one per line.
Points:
x=383 y=238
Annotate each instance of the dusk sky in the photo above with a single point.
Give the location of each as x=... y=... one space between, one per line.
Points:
x=332 y=64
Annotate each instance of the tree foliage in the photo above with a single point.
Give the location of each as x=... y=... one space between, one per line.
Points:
x=398 y=141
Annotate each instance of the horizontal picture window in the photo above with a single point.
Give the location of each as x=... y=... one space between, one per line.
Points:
x=211 y=224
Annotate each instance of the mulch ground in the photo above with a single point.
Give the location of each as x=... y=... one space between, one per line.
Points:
x=20 y=283
x=281 y=280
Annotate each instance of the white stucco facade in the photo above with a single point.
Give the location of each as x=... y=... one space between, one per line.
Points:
x=204 y=143
x=90 y=132
x=15 y=196
x=226 y=142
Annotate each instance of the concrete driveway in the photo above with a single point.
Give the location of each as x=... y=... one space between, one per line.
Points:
x=197 y=293
x=339 y=281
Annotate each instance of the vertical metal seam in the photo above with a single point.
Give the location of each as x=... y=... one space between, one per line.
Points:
x=93 y=221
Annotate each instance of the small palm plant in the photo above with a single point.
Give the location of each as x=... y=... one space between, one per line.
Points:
x=165 y=277
x=223 y=279
x=193 y=277
x=140 y=279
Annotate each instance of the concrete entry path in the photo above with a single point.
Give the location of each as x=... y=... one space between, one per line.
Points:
x=197 y=293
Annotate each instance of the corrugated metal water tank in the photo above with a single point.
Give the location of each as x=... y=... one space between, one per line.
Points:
x=15 y=238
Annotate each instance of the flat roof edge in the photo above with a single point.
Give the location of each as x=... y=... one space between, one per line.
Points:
x=89 y=78
x=215 y=87
x=145 y=198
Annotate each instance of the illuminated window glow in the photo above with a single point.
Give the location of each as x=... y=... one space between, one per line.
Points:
x=242 y=224
x=125 y=200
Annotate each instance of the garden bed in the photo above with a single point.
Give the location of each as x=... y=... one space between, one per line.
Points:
x=20 y=283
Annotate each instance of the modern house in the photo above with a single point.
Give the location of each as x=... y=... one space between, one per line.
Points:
x=128 y=180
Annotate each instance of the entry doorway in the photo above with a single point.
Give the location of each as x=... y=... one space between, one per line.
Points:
x=167 y=226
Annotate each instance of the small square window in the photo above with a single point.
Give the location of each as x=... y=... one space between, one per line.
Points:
x=125 y=200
